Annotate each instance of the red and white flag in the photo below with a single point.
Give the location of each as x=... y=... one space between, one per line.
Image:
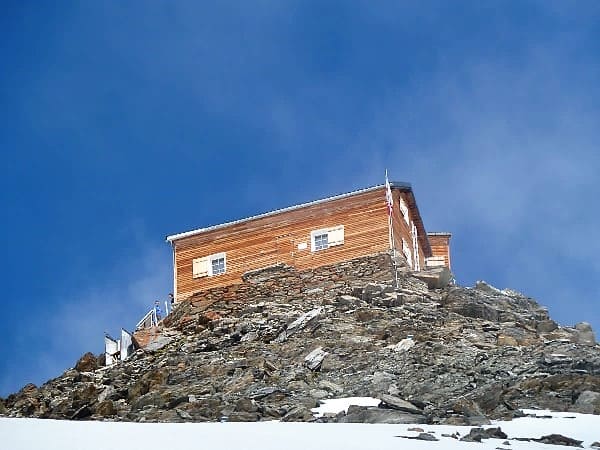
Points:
x=388 y=195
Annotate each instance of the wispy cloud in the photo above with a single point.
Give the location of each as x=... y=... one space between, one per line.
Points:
x=76 y=324
x=503 y=155
x=513 y=173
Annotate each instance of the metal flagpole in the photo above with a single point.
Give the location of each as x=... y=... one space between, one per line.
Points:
x=390 y=206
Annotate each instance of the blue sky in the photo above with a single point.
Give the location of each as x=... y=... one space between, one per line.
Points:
x=123 y=122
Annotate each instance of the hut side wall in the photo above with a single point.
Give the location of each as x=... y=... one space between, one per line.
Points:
x=402 y=229
x=285 y=238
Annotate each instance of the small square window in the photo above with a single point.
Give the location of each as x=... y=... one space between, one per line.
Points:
x=321 y=241
x=218 y=266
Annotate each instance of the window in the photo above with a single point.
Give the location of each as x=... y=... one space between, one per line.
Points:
x=404 y=210
x=209 y=266
x=326 y=237
x=218 y=266
x=321 y=241
x=415 y=239
x=407 y=253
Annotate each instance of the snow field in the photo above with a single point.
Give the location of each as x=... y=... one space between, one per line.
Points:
x=31 y=434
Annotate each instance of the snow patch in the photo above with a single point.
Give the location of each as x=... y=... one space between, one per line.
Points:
x=337 y=405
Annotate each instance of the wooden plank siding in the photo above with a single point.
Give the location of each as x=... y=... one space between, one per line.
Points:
x=270 y=240
x=402 y=230
x=263 y=241
x=440 y=246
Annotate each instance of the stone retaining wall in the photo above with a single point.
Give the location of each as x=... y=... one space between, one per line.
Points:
x=285 y=281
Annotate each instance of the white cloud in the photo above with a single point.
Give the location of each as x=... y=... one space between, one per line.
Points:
x=76 y=324
x=505 y=157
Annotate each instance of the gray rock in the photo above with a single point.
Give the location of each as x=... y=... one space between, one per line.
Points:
x=377 y=415
x=81 y=413
x=318 y=393
x=394 y=402
x=421 y=437
x=331 y=387
x=471 y=411
x=246 y=405
x=476 y=310
x=477 y=434
x=486 y=287
x=372 y=291
x=159 y=343
x=546 y=326
x=348 y=300
x=298 y=414
x=381 y=382
x=585 y=334
x=588 y=402
x=583 y=326
x=559 y=439
x=108 y=393
x=87 y=363
x=314 y=359
x=243 y=417
x=183 y=414
x=105 y=408
x=427 y=437
x=436 y=278
x=495 y=433
x=150 y=399
x=298 y=324
x=265 y=392
x=404 y=345
x=249 y=337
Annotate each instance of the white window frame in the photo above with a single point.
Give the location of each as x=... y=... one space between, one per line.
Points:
x=335 y=237
x=320 y=241
x=404 y=211
x=415 y=239
x=407 y=253
x=203 y=267
x=216 y=257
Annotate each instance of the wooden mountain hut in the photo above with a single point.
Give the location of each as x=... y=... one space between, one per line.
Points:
x=305 y=236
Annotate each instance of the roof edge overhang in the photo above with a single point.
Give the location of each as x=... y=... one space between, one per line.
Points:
x=421 y=231
x=402 y=186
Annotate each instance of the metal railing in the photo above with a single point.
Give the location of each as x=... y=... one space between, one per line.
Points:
x=148 y=321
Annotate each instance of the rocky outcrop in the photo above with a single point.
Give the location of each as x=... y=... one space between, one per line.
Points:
x=274 y=346
x=87 y=363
